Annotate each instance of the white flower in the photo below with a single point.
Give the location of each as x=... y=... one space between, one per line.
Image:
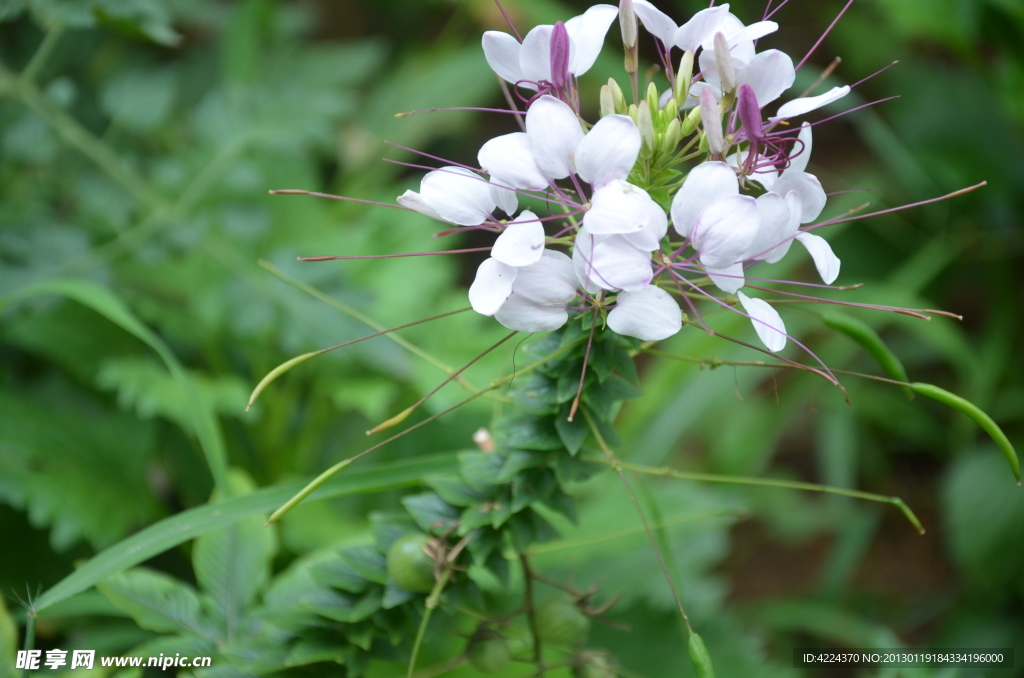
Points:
x=795 y=178
x=767 y=322
x=455 y=195
x=690 y=35
x=650 y=314
x=530 y=62
x=519 y=245
x=769 y=74
x=610 y=262
x=807 y=104
x=539 y=295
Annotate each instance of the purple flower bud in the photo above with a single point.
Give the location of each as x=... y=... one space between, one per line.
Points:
x=559 y=56
x=750 y=113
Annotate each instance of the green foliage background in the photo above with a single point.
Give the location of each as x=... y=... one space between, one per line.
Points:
x=138 y=139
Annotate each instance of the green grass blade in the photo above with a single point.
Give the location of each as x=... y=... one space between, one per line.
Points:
x=187 y=525
x=974 y=412
x=106 y=304
x=869 y=340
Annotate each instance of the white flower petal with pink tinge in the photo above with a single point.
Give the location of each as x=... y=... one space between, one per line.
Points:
x=706 y=183
x=620 y=207
x=649 y=314
x=502 y=53
x=587 y=32
x=522 y=241
x=767 y=322
x=825 y=259
x=414 y=201
x=701 y=27
x=609 y=150
x=491 y=287
x=524 y=315
x=504 y=197
x=554 y=132
x=728 y=279
x=458 y=195
x=807 y=186
x=657 y=23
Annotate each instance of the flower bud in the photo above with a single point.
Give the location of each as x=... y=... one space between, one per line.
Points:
x=627 y=21
x=559 y=56
x=607 y=101
x=690 y=121
x=633 y=113
x=646 y=125
x=723 y=60
x=750 y=114
x=684 y=76
x=712 y=119
x=652 y=97
x=671 y=111
x=673 y=133
x=617 y=96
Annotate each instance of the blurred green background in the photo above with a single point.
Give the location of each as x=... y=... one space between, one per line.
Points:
x=138 y=140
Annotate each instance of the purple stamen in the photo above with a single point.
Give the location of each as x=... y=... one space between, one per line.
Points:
x=329 y=257
x=824 y=35
x=508 y=20
x=750 y=116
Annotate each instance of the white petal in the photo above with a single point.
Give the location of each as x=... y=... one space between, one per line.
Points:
x=504 y=197
x=725 y=230
x=524 y=315
x=649 y=237
x=767 y=322
x=650 y=314
x=502 y=53
x=414 y=201
x=458 y=195
x=752 y=32
x=775 y=224
x=825 y=259
x=701 y=27
x=797 y=107
x=535 y=54
x=728 y=279
x=587 y=32
x=708 y=73
x=807 y=186
x=491 y=287
x=554 y=133
x=792 y=228
x=552 y=280
x=522 y=241
x=657 y=23
x=769 y=73
x=706 y=183
x=609 y=262
x=799 y=163
x=618 y=207
x=609 y=150
x=510 y=159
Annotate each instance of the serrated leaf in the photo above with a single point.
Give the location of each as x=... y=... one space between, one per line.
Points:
x=430 y=512
x=456 y=492
x=367 y=562
x=233 y=564
x=481 y=470
x=527 y=433
x=539 y=395
x=572 y=433
x=343 y=608
x=482 y=544
x=337 y=573
x=158 y=603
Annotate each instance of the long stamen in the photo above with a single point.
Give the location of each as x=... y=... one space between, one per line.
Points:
x=329 y=257
x=583 y=372
x=824 y=35
x=455 y=108
x=876 y=73
x=916 y=313
x=948 y=196
x=508 y=20
x=299 y=191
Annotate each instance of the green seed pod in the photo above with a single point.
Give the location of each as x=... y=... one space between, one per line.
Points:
x=700 y=658
x=561 y=622
x=870 y=342
x=593 y=666
x=409 y=566
x=488 y=653
x=618 y=97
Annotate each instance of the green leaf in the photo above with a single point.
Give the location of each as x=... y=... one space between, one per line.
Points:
x=572 y=433
x=339 y=574
x=869 y=340
x=106 y=304
x=233 y=564
x=456 y=492
x=974 y=412
x=367 y=562
x=189 y=524
x=157 y=602
x=346 y=609
x=430 y=512
x=527 y=433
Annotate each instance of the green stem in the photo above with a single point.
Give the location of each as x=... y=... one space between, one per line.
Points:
x=42 y=55
x=666 y=472
x=431 y=604
x=531 y=615
x=617 y=465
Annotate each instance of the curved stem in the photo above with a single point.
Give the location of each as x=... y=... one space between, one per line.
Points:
x=431 y=603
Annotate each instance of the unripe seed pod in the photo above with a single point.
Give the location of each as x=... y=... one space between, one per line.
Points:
x=618 y=97
x=690 y=121
x=700 y=658
x=633 y=113
x=646 y=125
x=409 y=566
x=488 y=653
x=652 y=97
x=671 y=110
x=673 y=133
x=561 y=622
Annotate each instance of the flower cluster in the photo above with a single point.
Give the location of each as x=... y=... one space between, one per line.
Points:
x=745 y=198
